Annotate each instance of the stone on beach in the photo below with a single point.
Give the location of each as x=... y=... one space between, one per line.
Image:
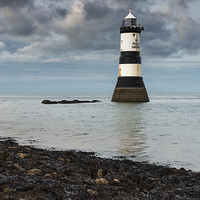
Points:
x=23 y=155
x=19 y=167
x=47 y=174
x=34 y=172
x=4 y=155
x=102 y=180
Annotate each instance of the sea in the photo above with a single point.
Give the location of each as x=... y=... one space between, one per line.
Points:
x=164 y=131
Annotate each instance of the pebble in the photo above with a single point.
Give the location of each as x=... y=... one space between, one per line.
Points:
x=4 y=155
x=19 y=167
x=34 y=171
x=102 y=180
x=116 y=180
x=47 y=175
x=61 y=159
x=100 y=173
x=85 y=177
x=8 y=190
x=23 y=155
x=92 y=192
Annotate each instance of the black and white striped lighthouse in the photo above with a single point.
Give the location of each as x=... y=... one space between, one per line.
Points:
x=130 y=86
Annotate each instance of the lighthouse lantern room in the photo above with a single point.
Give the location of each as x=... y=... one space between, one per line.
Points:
x=130 y=86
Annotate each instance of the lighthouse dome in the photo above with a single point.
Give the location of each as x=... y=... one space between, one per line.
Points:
x=129 y=20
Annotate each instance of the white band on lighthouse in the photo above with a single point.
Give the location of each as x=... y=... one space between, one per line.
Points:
x=130 y=70
x=130 y=42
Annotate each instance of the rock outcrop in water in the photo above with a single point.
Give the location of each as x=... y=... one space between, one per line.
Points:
x=68 y=102
x=31 y=173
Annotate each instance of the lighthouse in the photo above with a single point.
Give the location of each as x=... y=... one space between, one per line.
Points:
x=130 y=86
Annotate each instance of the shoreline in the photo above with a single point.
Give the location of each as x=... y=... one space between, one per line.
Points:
x=33 y=173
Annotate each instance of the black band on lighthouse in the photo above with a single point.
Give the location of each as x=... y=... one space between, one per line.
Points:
x=130 y=54
x=130 y=81
x=134 y=29
x=129 y=60
x=129 y=57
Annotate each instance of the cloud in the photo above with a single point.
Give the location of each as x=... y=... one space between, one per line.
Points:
x=2 y=45
x=58 y=30
x=16 y=4
x=15 y=23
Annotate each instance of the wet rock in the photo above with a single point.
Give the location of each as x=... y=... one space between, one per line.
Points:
x=47 y=175
x=92 y=192
x=19 y=167
x=102 y=180
x=101 y=173
x=34 y=171
x=9 y=190
x=47 y=102
x=23 y=155
x=74 y=175
x=116 y=180
x=61 y=159
x=4 y=155
x=68 y=160
x=68 y=102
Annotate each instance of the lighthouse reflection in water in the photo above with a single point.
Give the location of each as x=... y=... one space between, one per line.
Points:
x=130 y=126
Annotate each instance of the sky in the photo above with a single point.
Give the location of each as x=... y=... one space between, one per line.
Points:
x=73 y=46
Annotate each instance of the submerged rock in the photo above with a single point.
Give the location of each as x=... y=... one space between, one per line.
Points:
x=68 y=102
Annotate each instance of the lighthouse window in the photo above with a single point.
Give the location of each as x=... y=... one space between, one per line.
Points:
x=127 y=22
x=133 y=35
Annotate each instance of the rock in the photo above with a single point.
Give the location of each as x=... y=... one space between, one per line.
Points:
x=23 y=155
x=104 y=181
x=61 y=159
x=116 y=180
x=34 y=172
x=46 y=102
x=12 y=147
x=77 y=178
x=68 y=160
x=101 y=180
x=4 y=155
x=47 y=175
x=92 y=192
x=68 y=102
x=98 y=180
x=101 y=173
x=19 y=167
x=8 y=190
x=28 y=149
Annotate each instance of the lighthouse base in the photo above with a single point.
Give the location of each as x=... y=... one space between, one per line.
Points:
x=130 y=89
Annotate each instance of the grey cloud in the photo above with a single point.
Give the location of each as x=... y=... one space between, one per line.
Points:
x=16 y=24
x=96 y=10
x=62 y=12
x=186 y=29
x=15 y=4
x=97 y=28
x=168 y=33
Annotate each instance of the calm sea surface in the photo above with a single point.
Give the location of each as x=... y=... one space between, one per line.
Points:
x=163 y=131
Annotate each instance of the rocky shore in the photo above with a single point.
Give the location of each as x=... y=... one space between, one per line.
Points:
x=32 y=173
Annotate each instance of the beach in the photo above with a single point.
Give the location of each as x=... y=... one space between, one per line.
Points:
x=33 y=173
